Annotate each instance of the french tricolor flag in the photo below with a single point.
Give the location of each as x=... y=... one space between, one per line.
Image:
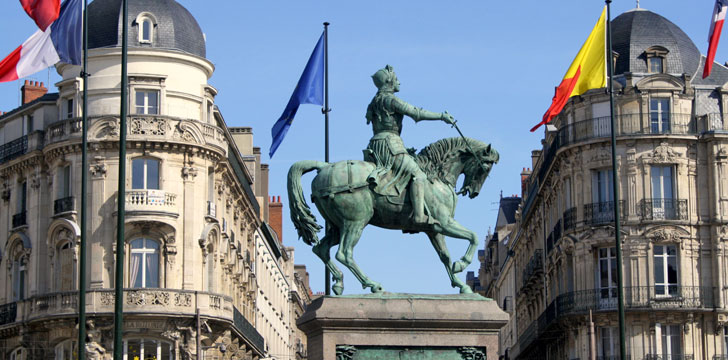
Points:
x=716 y=26
x=61 y=41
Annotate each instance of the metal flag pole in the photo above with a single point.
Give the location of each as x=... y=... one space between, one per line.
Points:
x=615 y=188
x=326 y=110
x=120 y=211
x=84 y=181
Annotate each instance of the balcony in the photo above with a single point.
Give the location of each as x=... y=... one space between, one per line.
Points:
x=247 y=330
x=149 y=202
x=20 y=219
x=64 y=130
x=534 y=267
x=636 y=297
x=627 y=124
x=664 y=209
x=13 y=149
x=63 y=205
x=570 y=219
x=8 y=313
x=602 y=212
x=669 y=357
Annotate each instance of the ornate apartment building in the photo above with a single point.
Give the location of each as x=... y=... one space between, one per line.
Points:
x=672 y=158
x=197 y=207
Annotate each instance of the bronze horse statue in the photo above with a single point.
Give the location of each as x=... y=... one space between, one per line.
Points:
x=347 y=201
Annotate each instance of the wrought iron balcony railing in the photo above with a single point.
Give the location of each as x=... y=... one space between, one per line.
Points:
x=602 y=212
x=570 y=219
x=636 y=297
x=248 y=330
x=669 y=357
x=20 y=219
x=63 y=205
x=534 y=266
x=628 y=124
x=664 y=209
x=13 y=149
x=8 y=313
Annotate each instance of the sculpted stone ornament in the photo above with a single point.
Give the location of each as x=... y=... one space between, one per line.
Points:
x=393 y=188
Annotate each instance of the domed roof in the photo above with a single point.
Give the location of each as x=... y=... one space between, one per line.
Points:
x=175 y=28
x=638 y=30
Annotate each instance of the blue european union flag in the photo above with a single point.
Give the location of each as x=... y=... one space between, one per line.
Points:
x=310 y=90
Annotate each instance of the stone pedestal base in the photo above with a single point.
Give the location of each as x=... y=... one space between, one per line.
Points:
x=402 y=326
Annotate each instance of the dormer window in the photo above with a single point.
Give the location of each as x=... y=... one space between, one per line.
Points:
x=656 y=59
x=146 y=22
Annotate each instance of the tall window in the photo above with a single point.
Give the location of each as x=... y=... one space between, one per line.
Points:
x=725 y=339
x=145 y=174
x=148 y=349
x=63 y=182
x=601 y=120
x=19 y=272
x=210 y=119
x=671 y=346
x=665 y=264
x=69 y=108
x=64 y=273
x=145 y=31
x=602 y=189
x=609 y=342
x=663 y=204
x=22 y=197
x=660 y=115
x=607 y=275
x=27 y=124
x=147 y=102
x=144 y=264
x=655 y=65
x=66 y=350
x=210 y=270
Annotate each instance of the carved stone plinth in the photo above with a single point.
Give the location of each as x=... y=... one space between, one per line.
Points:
x=367 y=327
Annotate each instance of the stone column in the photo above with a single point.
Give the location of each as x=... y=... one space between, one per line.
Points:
x=96 y=230
x=191 y=248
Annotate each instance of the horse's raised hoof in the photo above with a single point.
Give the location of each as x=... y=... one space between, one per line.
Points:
x=458 y=266
x=466 y=290
x=338 y=289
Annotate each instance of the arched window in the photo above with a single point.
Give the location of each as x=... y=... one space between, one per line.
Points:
x=144 y=264
x=66 y=350
x=148 y=349
x=18 y=354
x=145 y=174
x=18 y=271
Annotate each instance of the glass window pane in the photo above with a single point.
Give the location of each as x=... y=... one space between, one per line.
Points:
x=658 y=250
x=603 y=273
x=137 y=174
x=659 y=271
x=139 y=102
x=672 y=270
x=153 y=102
x=151 y=244
x=133 y=350
x=152 y=270
x=152 y=174
x=146 y=29
x=671 y=250
x=135 y=269
x=137 y=244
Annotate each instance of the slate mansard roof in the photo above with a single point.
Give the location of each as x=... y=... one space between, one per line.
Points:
x=635 y=31
x=176 y=28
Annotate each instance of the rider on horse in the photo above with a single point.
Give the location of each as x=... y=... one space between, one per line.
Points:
x=396 y=167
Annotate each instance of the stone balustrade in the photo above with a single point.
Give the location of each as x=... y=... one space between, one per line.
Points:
x=147 y=201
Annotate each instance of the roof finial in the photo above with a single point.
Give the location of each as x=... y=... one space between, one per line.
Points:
x=638 y=4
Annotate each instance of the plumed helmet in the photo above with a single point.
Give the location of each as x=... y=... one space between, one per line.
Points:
x=383 y=76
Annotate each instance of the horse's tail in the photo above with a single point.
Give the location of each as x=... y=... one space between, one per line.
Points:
x=301 y=215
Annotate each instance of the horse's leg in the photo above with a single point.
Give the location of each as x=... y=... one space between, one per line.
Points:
x=453 y=228
x=438 y=242
x=322 y=249
x=350 y=234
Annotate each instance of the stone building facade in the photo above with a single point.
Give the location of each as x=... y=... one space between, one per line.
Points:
x=196 y=206
x=672 y=158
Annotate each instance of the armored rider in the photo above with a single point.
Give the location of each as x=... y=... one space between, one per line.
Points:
x=396 y=167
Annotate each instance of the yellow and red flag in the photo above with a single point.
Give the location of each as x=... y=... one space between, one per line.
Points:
x=587 y=71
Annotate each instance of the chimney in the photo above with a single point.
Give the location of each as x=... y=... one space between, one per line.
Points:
x=276 y=216
x=32 y=90
x=524 y=181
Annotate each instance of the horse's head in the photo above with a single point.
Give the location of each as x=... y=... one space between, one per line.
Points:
x=477 y=167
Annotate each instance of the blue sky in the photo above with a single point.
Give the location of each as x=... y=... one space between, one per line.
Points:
x=491 y=64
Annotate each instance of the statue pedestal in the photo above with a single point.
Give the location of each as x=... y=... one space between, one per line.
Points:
x=402 y=326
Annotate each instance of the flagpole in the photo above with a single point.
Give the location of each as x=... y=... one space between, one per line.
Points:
x=121 y=194
x=84 y=180
x=326 y=110
x=615 y=187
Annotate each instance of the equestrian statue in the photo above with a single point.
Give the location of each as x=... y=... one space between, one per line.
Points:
x=393 y=188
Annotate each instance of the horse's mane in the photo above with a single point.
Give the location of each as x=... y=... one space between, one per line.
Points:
x=433 y=156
